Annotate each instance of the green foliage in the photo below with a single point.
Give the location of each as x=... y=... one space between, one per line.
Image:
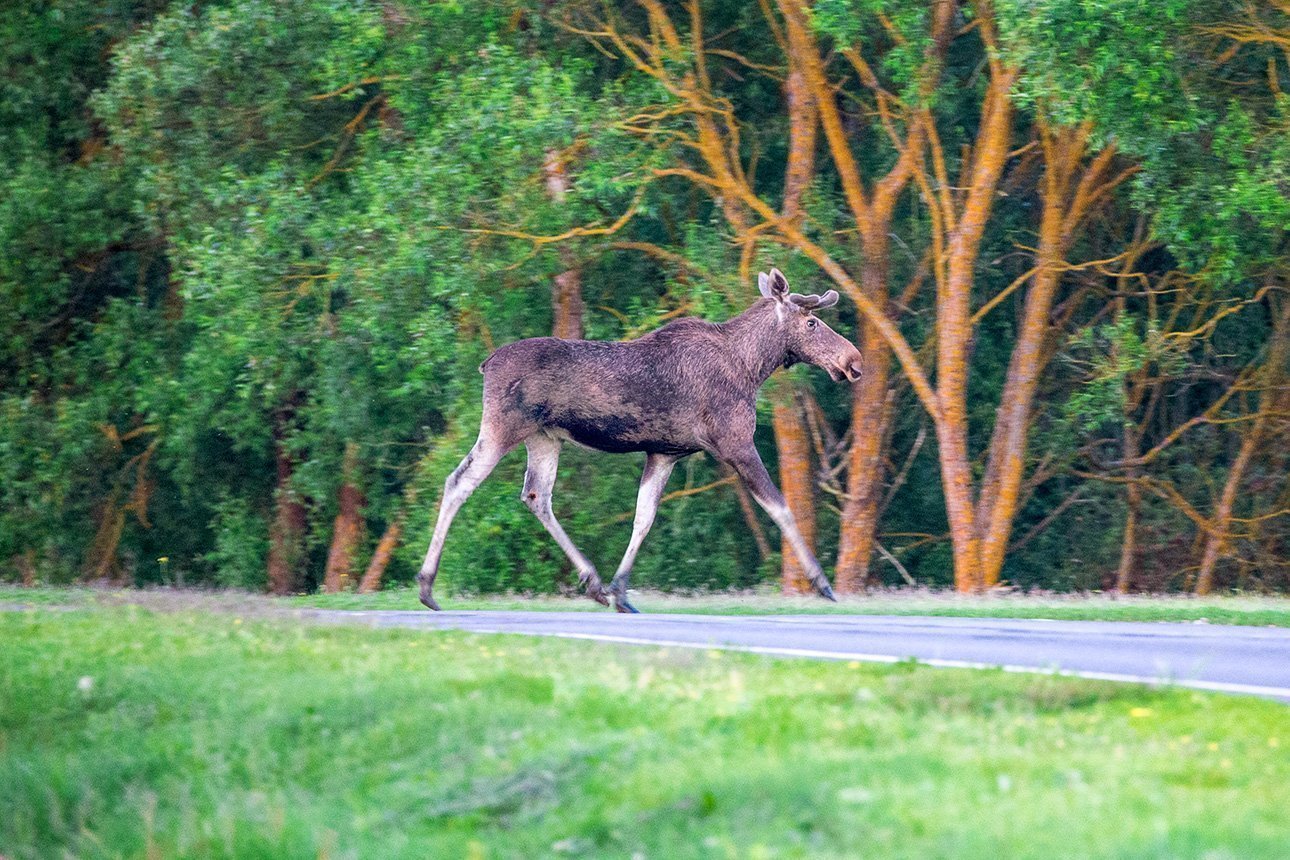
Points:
x=1114 y=61
x=1105 y=354
x=895 y=29
x=241 y=544
x=77 y=281
x=248 y=234
x=1225 y=207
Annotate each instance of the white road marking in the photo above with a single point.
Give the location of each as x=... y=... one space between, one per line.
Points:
x=776 y=651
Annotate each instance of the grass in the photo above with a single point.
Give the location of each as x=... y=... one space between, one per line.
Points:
x=128 y=732
x=1245 y=610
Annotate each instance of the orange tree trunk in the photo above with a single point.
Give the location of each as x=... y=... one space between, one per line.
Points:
x=1272 y=395
x=872 y=210
x=1133 y=501
x=286 y=534
x=870 y=414
x=347 y=531
x=1007 y=456
x=566 y=292
x=1065 y=205
x=381 y=557
x=101 y=560
x=796 y=481
x=387 y=544
x=566 y=302
x=1216 y=543
x=26 y=564
x=954 y=328
x=956 y=481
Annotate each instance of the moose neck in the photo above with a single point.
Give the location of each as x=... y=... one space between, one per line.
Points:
x=757 y=341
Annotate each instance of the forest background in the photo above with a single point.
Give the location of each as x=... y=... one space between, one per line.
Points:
x=252 y=252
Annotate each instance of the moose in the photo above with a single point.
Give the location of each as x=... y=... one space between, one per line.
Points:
x=689 y=386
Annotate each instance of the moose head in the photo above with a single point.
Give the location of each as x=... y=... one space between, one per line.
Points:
x=807 y=338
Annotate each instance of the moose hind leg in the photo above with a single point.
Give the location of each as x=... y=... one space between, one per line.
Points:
x=658 y=467
x=754 y=475
x=539 y=481
x=460 y=484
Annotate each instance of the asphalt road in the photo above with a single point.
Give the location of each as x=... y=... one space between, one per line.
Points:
x=1246 y=660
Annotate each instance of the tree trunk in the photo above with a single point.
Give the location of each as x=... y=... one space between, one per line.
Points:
x=872 y=210
x=791 y=438
x=26 y=564
x=286 y=535
x=389 y=541
x=1000 y=490
x=1000 y=493
x=870 y=414
x=1216 y=544
x=566 y=291
x=803 y=122
x=1274 y=377
x=956 y=481
x=347 y=531
x=1062 y=212
x=566 y=301
x=954 y=326
x=101 y=559
x=381 y=557
x=796 y=482
x=1133 y=500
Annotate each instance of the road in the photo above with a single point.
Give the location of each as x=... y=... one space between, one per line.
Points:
x=1245 y=660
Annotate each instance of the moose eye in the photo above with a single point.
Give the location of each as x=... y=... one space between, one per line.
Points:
x=811 y=323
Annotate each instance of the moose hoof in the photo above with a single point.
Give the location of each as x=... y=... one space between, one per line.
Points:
x=425 y=588
x=826 y=591
x=623 y=606
x=595 y=590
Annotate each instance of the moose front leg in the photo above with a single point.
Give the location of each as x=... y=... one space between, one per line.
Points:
x=747 y=463
x=658 y=467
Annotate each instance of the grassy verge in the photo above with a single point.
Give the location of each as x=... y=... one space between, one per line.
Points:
x=1246 y=610
x=128 y=733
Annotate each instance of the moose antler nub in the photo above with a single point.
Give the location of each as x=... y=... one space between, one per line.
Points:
x=813 y=302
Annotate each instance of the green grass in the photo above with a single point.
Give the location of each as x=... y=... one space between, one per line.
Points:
x=126 y=732
x=1247 y=610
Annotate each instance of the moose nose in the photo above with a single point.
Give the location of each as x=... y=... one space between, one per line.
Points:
x=854 y=369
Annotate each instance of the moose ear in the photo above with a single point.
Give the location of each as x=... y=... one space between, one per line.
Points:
x=778 y=284
x=763 y=284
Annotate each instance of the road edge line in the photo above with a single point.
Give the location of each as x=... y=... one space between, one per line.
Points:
x=1282 y=693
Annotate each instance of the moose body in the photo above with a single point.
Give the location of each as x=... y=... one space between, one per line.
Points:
x=689 y=386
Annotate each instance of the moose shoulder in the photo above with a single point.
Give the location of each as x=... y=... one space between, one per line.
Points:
x=686 y=387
